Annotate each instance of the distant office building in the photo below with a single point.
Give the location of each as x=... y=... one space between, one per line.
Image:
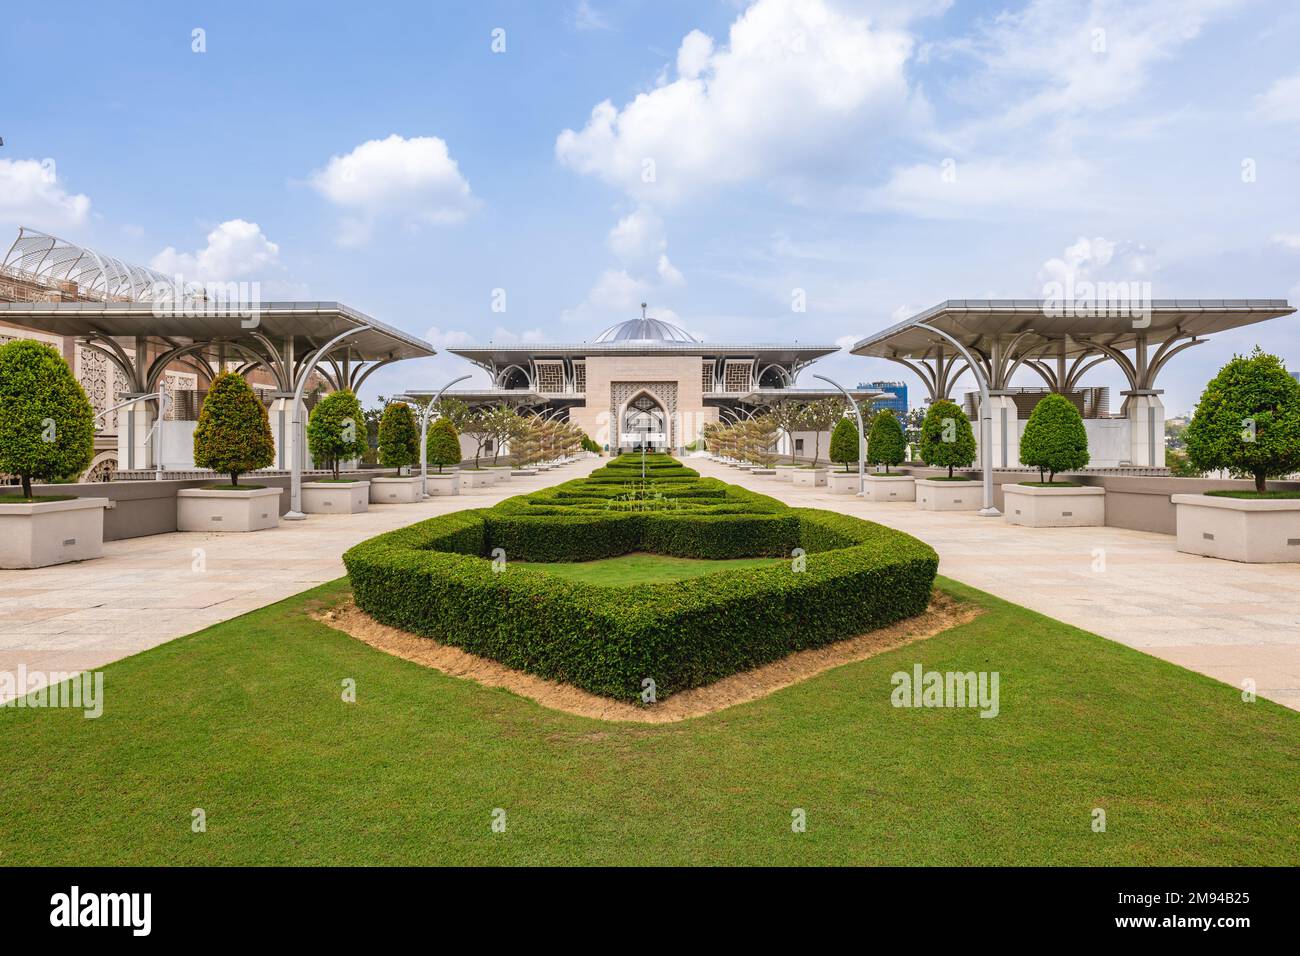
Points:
x=899 y=390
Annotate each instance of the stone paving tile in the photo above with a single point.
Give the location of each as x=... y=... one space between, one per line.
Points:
x=1178 y=607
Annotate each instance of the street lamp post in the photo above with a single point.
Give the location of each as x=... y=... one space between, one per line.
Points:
x=426 y=411
x=295 y=512
x=986 y=419
x=862 y=438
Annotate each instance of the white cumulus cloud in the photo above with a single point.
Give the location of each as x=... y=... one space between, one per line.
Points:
x=32 y=195
x=795 y=78
x=415 y=181
x=236 y=249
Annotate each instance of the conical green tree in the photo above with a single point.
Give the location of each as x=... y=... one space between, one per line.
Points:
x=1248 y=420
x=399 y=438
x=946 y=437
x=885 y=444
x=336 y=429
x=47 y=425
x=233 y=434
x=844 y=442
x=443 y=444
x=1054 y=440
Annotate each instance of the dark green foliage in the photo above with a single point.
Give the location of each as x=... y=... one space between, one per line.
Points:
x=335 y=431
x=1054 y=440
x=399 y=437
x=885 y=444
x=46 y=422
x=844 y=442
x=436 y=578
x=1248 y=420
x=947 y=440
x=443 y=443
x=233 y=434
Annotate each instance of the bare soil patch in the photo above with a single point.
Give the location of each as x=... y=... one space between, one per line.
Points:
x=944 y=613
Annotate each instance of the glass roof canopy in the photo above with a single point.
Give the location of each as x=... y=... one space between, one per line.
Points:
x=1057 y=342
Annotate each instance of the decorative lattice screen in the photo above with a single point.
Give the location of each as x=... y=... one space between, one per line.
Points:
x=706 y=376
x=550 y=377
x=580 y=377
x=738 y=379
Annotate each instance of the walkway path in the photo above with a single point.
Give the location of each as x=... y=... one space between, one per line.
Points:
x=147 y=591
x=1228 y=620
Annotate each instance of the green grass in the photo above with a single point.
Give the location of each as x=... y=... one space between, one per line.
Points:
x=1255 y=495
x=35 y=499
x=225 y=487
x=640 y=568
x=245 y=720
x=1050 y=484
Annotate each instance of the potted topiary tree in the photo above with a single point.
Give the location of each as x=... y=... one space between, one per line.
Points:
x=947 y=441
x=399 y=448
x=232 y=436
x=46 y=433
x=1054 y=441
x=442 y=450
x=1248 y=424
x=844 y=450
x=887 y=446
x=335 y=434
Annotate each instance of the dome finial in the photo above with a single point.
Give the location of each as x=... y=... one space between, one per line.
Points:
x=643 y=310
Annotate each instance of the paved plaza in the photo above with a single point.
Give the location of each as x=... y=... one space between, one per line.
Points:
x=1230 y=621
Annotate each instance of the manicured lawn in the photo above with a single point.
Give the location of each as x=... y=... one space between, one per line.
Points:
x=246 y=721
x=631 y=569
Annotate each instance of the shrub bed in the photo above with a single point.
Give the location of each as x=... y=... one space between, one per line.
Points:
x=436 y=578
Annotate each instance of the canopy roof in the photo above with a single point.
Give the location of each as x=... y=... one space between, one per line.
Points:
x=307 y=324
x=501 y=355
x=281 y=337
x=977 y=322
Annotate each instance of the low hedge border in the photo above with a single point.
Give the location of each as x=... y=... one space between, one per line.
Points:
x=434 y=579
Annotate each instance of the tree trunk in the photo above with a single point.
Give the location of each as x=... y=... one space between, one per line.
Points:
x=234 y=479
x=1261 y=482
x=950 y=471
x=27 y=487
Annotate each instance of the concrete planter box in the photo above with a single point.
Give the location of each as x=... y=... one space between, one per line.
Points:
x=843 y=482
x=41 y=533
x=786 y=472
x=1253 y=530
x=202 y=509
x=764 y=472
x=395 y=491
x=809 y=478
x=499 y=475
x=1054 y=507
x=471 y=480
x=890 y=488
x=523 y=473
x=935 y=495
x=335 y=497
x=447 y=483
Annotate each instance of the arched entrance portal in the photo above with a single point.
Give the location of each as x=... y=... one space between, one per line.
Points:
x=644 y=423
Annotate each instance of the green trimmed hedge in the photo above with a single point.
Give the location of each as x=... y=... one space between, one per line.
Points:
x=436 y=578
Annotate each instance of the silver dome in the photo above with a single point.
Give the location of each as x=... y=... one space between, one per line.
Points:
x=645 y=329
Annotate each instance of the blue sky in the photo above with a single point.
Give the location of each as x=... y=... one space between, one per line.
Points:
x=389 y=157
